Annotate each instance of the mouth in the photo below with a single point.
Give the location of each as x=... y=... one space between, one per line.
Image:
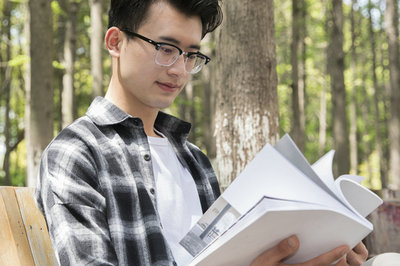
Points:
x=166 y=86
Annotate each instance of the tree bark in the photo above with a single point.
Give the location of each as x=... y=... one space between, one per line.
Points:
x=186 y=108
x=336 y=71
x=353 y=102
x=39 y=87
x=322 y=123
x=96 y=46
x=303 y=72
x=7 y=92
x=68 y=91
x=392 y=31
x=247 y=104
x=209 y=80
x=298 y=120
x=365 y=111
x=377 y=112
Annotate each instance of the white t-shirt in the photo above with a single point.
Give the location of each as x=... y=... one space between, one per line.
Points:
x=178 y=201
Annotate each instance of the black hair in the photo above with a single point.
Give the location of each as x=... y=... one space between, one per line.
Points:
x=129 y=14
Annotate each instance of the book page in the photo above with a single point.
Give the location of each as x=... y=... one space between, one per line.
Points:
x=270 y=174
x=347 y=187
x=275 y=173
x=217 y=219
x=270 y=221
x=363 y=200
x=290 y=151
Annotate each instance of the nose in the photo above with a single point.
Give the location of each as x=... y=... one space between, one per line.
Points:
x=178 y=68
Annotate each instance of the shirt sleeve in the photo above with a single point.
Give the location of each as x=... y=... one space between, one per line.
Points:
x=69 y=196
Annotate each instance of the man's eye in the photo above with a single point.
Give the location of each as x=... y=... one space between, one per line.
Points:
x=167 y=50
x=192 y=56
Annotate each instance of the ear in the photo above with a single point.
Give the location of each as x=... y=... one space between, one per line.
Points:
x=113 y=40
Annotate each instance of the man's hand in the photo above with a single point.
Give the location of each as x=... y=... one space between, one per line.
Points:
x=358 y=255
x=341 y=255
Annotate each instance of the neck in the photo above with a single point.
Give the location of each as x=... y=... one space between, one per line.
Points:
x=126 y=102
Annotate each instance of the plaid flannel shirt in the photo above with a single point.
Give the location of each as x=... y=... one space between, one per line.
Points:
x=97 y=191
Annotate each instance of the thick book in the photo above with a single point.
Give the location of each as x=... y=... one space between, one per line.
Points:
x=277 y=195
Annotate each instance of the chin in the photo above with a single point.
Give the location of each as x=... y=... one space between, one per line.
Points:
x=163 y=105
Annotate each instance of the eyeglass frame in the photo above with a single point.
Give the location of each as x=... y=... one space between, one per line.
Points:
x=157 y=45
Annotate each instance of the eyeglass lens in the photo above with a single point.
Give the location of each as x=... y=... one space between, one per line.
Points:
x=167 y=55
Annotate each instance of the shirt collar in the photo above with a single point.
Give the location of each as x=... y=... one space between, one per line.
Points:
x=103 y=112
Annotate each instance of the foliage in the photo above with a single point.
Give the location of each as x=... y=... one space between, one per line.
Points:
x=317 y=79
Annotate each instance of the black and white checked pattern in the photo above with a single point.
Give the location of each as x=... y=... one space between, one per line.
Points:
x=96 y=188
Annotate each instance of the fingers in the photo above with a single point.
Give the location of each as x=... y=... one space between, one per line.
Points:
x=361 y=250
x=276 y=254
x=336 y=255
x=358 y=255
x=341 y=262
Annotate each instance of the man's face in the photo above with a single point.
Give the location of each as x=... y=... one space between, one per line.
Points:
x=144 y=83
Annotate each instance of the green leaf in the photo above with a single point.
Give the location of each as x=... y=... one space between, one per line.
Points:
x=19 y=60
x=58 y=65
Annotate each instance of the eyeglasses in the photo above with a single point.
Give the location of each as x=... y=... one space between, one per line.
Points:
x=167 y=54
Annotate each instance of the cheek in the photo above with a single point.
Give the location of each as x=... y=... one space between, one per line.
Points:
x=138 y=68
x=186 y=79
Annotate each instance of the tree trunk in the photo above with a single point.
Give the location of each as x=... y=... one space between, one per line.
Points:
x=303 y=73
x=353 y=102
x=336 y=69
x=7 y=92
x=59 y=73
x=96 y=46
x=247 y=104
x=209 y=80
x=386 y=104
x=298 y=120
x=39 y=87
x=186 y=108
x=391 y=22
x=322 y=123
x=68 y=91
x=377 y=92
x=365 y=111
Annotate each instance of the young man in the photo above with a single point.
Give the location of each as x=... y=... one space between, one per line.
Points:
x=122 y=185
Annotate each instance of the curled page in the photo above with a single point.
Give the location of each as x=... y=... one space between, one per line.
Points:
x=360 y=198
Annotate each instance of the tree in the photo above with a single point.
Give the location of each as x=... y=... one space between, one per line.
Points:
x=186 y=108
x=298 y=93
x=68 y=91
x=39 y=87
x=247 y=103
x=96 y=46
x=6 y=89
x=209 y=95
x=392 y=31
x=353 y=101
x=377 y=92
x=322 y=123
x=336 y=72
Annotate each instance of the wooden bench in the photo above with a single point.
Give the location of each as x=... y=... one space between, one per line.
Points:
x=24 y=239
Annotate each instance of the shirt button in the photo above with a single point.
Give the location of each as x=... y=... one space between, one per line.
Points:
x=152 y=191
x=147 y=157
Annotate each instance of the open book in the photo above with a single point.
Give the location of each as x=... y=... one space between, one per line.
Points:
x=277 y=195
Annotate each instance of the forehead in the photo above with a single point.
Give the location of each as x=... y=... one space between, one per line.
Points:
x=163 y=20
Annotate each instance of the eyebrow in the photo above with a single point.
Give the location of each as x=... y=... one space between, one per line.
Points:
x=176 y=42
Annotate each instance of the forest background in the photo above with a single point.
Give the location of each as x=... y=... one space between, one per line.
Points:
x=326 y=72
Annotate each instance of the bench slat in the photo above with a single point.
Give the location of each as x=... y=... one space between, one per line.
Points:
x=8 y=252
x=36 y=228
x=17 y=227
